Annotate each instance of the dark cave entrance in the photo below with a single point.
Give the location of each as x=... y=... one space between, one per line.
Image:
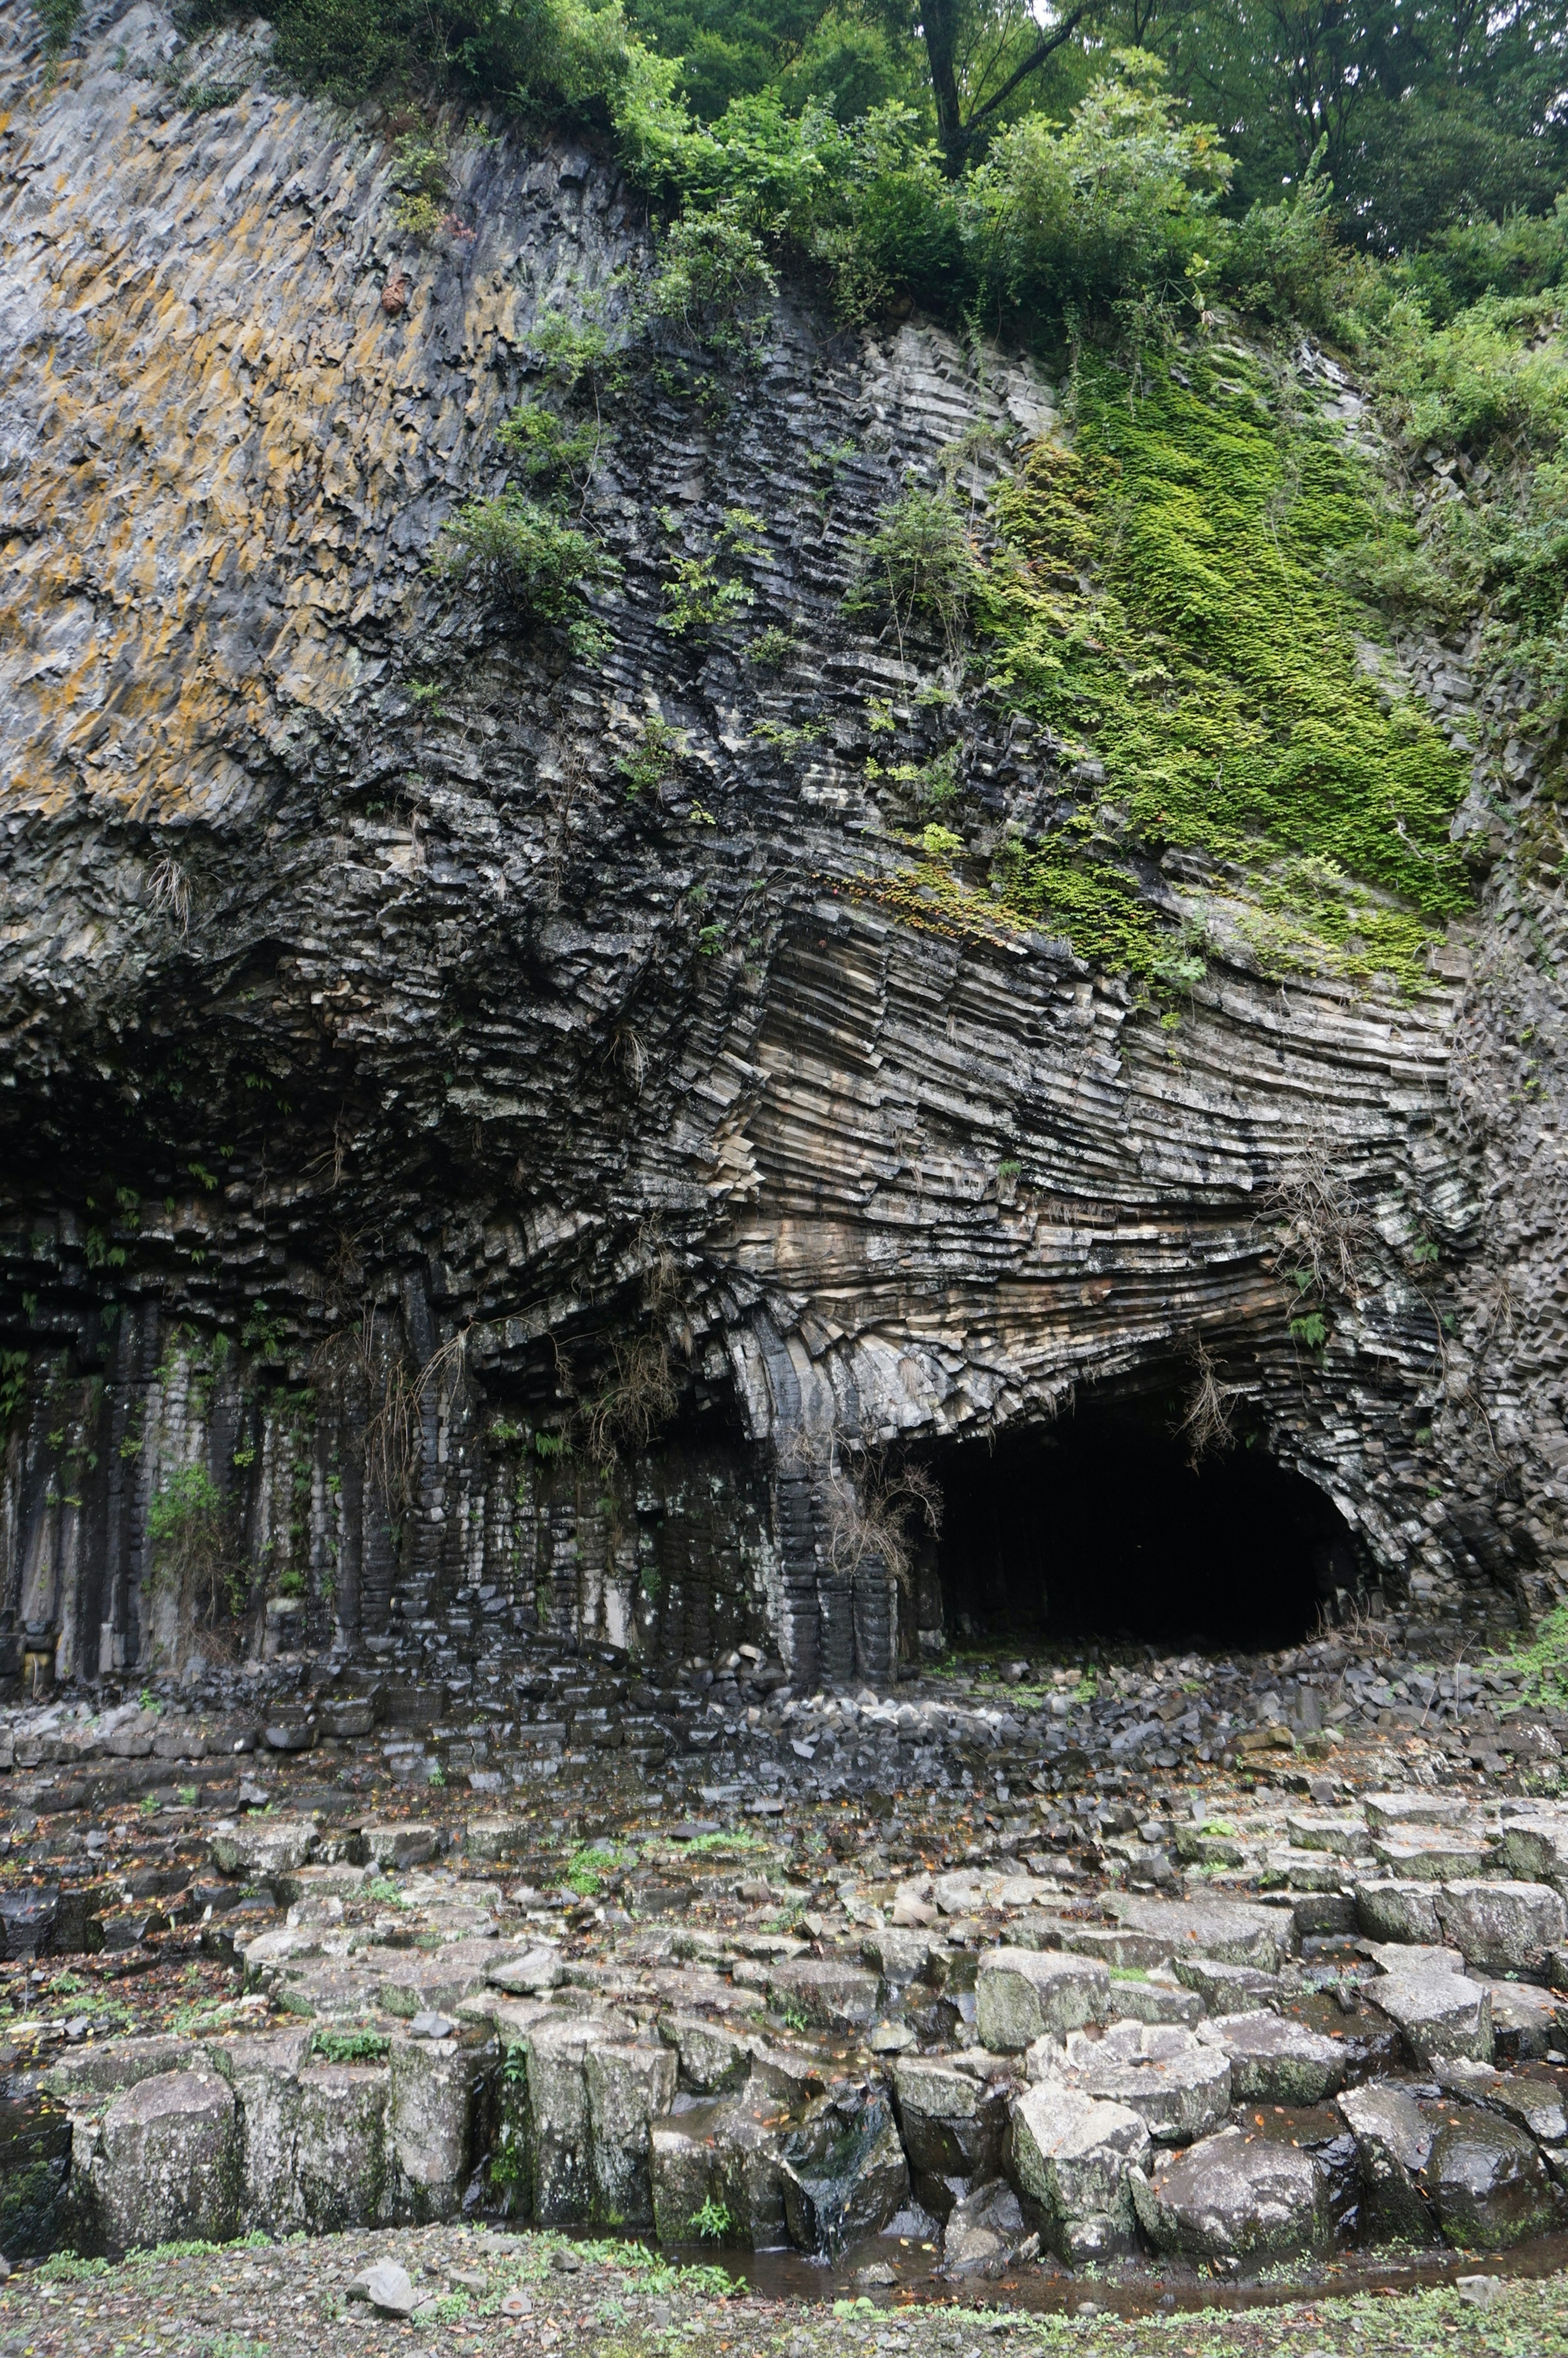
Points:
x=1100 y=1527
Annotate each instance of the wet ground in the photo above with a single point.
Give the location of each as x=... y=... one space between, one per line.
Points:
x=479 y=2291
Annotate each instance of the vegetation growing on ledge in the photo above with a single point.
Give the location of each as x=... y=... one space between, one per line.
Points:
x=1163 y=601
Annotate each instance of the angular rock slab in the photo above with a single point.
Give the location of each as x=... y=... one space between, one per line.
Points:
x=1503 y=1927
x=1179 y=2088
x=1072 y=2155
x=167 y=2168
x=628 y=2086
x=1022 y=1994
x=1488 y=2184
x=829 y=1993
x=263 y=1846
x=1387 y=1909
x=953 y=2125
x=1228 y=1929
x=985 y=2232
x=1235 y=2197
x=1438 y=2012
x=1274 y=2060
x=844 y=2175
x=1393 y=2143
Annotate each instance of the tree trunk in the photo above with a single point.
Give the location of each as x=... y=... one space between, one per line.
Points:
x=940 y=27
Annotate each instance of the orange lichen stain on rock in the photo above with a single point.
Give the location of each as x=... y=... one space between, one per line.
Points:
x=211 y=465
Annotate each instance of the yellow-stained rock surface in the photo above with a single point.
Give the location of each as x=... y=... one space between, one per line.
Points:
x=222 y=448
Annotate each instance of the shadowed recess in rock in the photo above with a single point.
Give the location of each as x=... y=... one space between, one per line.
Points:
x=1103 y=1527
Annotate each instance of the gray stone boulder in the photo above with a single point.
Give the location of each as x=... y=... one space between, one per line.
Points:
x=1071 y=2155
x=1428 y=1855
x=1235 y=2196
x=260 y=1848
x=166 y=2166
x=1533 y=2099
x=494 y=1838
x=1501 y=1927
x=1179 y=2088
x=954 y=2126
x=1394 y=2142
x=630 y=2085
x=1140 y=1998
x=1228 y=1989
x=1437 y=2011
x=405 y=1842
x=845 y=2174
x=986 y=2233
x=1526 y=2021
x=562 y=2159
x=1022 y=1994
x=828 y=1992
x=711 y=2059
x=527 y=1975
x=1229 y=1929
x=1390 y=1909
x=1488 y=2184
x=1536 y=1846
x=902 y=1956
x=684 y=2168
x=1275 y=2060
x=335 y=2177
x=430 y=2123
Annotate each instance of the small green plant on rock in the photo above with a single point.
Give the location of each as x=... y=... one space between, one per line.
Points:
x=714 y=2222
x=653 y=758
x=59 y=19
x=919 y=565
x=577 y=355
x=188 y=1532
x=711 y=280
x=772 y=648
x=552 y=452
x=419 y=175
x=357 y=2045
x=541 y=564
x=702 y=591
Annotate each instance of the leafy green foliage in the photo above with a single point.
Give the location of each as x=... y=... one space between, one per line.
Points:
x=1210 y=665
x=540 y=563
x=919 y=565
x=59 y=19
x=1117 y=208
x=590 y=1868
x=711 y=277
x=703 y=591
x=552 y=452
x=1543 y=1662
x=187 y=1532
x=420 y=161
x=714 y=2222
x=653 y=758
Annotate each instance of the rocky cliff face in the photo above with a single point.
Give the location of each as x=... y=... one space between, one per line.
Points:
x=475 y=1159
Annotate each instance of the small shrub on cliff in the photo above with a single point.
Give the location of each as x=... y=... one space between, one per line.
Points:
x=419 y=173
x=920 y=563
x=59 y=19
x=188 y=1533
x=711 y=277
x=539 y=562
x=551 y=452
x=703 y=591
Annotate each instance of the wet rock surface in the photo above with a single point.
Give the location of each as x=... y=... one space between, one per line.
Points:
x=316 y=1996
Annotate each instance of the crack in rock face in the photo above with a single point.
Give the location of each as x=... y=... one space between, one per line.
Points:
x=501 y=1145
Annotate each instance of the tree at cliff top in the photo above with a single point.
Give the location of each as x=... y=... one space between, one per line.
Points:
x=1419 y=115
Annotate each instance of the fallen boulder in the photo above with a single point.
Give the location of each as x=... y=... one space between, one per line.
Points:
x=1235 y=2196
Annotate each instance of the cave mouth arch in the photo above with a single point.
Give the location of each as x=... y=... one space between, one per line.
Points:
x=1098 y=1528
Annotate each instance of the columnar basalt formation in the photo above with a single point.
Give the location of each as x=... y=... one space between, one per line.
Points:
x=499 y=1194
